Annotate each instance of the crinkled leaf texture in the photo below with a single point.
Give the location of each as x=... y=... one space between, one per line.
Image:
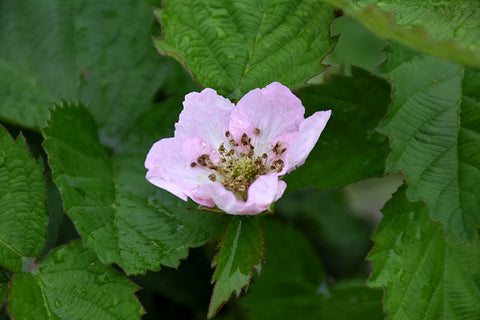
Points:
x=23 y=218
x=435 y=136
x=115 y=210
x=236 y=46
x=426 y=274
x=449 y=29
x=293 y=284
x=71 y=284
x=79 y=51
x=241 y=251
x=349 y=150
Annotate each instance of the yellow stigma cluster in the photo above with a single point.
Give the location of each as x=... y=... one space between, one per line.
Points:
x=239 y=166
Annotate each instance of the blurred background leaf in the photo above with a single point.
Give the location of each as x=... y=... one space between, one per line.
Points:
x=97 y=53
x=4 y=280
x=293 y=284
x=448 y=29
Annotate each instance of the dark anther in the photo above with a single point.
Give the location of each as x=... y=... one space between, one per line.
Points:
x=193 y=164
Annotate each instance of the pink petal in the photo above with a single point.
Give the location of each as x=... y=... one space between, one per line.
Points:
x=205 y=115
x=275 y=110
x=305 y=140
x=265 y=190
x=169 y=166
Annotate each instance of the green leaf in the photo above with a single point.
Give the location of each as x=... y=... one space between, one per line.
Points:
x=239 y=253
x=293 y=284
x=22 y=204
x=4 y=281
x=426 y=274
x=435 y=137
x=117 y=212
x=70 y=283
x=349 y=149
x=236 y=46
x=79 y=51
x=448 y=29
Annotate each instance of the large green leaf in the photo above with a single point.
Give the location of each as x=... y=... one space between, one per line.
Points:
x=293 y=284
x=239 y=253
x=23 y=218
x=236 y=46
x=445 y=28
x=70 y=283
x=349 y=149
x=96 y=52
x=435 y=136
x=116 y=211
x=426 y=274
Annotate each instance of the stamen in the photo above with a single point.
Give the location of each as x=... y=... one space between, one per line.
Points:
x=236 y=170
x=201 y=161
x=221 y=149
x=193 y=164
x=245 y=139
x=232 y=142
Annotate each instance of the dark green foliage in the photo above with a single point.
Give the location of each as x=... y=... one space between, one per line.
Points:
x=236 y=46
x=349 y=149
x=240 y=252
x=22 y=204
x=426 y=274
x=70 y=283
x=293 y=284
x=77 y=214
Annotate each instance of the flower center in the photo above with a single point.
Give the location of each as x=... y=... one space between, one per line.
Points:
x=244 y=167
x=239 y=166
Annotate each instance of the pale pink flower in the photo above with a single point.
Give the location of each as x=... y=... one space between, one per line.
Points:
x=234 y=156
